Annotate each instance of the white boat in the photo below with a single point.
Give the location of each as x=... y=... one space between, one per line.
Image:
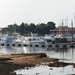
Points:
x=49 y=38
x=17 y=38
x=60 y=38
x=4 y=38
x=1 y=37
x=34 y=38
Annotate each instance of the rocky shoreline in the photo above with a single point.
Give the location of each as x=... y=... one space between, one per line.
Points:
x=9 y=63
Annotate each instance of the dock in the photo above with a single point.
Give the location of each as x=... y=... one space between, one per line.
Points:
x=60 y=45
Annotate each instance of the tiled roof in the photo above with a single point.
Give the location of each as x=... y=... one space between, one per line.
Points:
x=63 y=29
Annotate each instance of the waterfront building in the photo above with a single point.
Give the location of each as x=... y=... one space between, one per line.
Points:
x=64 y=30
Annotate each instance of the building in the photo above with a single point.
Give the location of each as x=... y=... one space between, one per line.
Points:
x=0 y=29
x=64 y=30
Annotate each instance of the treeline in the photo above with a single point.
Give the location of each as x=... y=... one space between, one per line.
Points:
x=26 y=29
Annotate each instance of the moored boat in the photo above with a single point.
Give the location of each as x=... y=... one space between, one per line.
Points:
x=34 y=38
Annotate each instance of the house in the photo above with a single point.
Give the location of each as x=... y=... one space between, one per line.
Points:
x=0 y=29
x=64 y=30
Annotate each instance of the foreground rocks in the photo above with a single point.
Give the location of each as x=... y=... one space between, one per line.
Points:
x=9 y=63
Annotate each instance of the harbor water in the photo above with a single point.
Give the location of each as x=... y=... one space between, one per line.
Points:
x=62 y=53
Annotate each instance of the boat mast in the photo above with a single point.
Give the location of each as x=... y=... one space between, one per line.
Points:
x=74 y=19
x=59 y=28
x=62 y=27
x=72 y=28
x=65 y=27
x=15 y=26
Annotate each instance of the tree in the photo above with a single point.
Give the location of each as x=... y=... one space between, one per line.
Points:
x=40 y=29
x=26 y=29
x=22 y=29
x=50 y=25
x=32 y=27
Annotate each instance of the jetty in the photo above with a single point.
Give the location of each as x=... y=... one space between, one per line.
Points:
x=56 y=45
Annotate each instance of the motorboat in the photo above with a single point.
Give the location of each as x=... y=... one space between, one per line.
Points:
x=34 y=38
x=1 y=37
x=6 y=40
x=49 y=38
x=17 y=38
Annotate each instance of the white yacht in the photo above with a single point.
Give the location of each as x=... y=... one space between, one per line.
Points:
x=1 y=37
x=34 y=38
x=60 y=38
x=49 y=38
x=6 y=39
x=17 y=38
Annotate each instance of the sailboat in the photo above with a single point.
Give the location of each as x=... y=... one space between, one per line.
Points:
x=63 y=35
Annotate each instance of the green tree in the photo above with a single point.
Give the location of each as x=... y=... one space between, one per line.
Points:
x=22 y=29
x=26 y=29
x=32 y=27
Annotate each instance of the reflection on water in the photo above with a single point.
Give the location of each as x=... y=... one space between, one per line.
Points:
x=10 y=50
x=6 y=50
x=62 y=53
x=51 y=52
x=45 y=70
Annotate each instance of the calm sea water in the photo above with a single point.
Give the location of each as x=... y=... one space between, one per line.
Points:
x=63 y=53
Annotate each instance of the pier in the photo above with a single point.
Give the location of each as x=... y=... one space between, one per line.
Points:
x=62 y=45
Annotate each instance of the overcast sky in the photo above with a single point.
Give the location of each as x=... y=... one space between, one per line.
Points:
x=36 y=11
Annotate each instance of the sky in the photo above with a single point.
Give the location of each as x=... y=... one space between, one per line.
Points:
x=36 y=11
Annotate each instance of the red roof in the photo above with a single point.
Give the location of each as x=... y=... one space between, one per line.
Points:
x=63 y=29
